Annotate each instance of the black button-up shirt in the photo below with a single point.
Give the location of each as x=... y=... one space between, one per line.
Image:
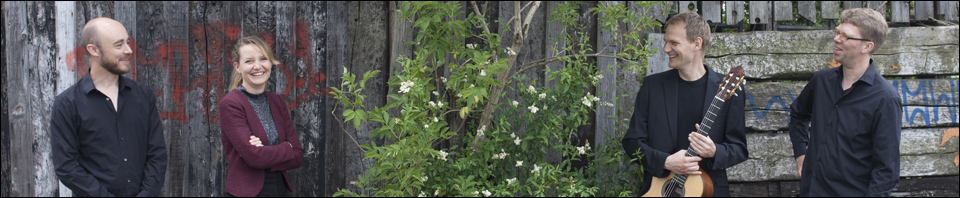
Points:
x=852 y=146
x=99 y=151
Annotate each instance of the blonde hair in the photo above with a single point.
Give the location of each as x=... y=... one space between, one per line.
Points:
x=695 y=25
x=261 y=46
x=871 y=23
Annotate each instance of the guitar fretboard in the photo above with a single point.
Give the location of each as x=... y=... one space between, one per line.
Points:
x=705 y=125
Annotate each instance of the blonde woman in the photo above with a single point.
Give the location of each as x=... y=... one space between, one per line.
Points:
x=257 y=134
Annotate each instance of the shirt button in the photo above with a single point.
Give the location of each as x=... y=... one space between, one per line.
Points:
x=128 y=181
x=124 y=159
x=108 y=99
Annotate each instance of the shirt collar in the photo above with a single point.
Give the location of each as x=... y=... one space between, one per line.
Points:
x=86 y=83
x=869 y=76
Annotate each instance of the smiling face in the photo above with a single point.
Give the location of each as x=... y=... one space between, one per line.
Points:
x=845 y=49
x=253 y=66
x=682 y=51
x=114 y=50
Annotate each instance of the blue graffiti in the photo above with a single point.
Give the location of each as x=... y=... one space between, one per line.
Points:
x=930 y=100
x=774 y=99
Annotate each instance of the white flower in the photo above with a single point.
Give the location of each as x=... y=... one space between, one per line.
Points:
x=531 y=89
x=443 y=155
x=424 y=178
x=435 y=119
x=606 y=104
x=435 y=93
x=432 y=104
x=471 y=46
x=513 y=135
x=396 y=120
x=598 y=77
x=405 y=86
x=519 y=163
x=503 y=155
x=595 y=98
x=426 y=126
x=533 y=109
x=536 y=169
x=481 y=130
x=587 y=145
x=517 y=141
x=511 y=180
x=554 y=97
x=471 y=85
x=486 y=193
x=459 y=95
x=581 y=150
x=421 y=194
x=515 y=103
x=444 y=79
x=544 y=107
x=439 y=104
x=586 y=101
x=483 y=73
x=543 y=96
x=511 y=52
x=436 y=192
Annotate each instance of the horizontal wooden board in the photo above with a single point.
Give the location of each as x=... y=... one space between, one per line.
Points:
x=771 y=156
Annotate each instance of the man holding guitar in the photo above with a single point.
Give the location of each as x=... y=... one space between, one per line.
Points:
x=668 y=108
x=852 y=147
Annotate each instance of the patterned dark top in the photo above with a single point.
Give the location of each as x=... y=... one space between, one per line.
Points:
x=262 y=107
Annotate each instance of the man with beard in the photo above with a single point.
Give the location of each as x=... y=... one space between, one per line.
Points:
x=105 y=129
x=852 y=148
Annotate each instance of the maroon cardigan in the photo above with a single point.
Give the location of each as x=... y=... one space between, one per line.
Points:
x=246 y=163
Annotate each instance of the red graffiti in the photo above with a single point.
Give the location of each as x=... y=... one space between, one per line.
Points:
x=214 y=53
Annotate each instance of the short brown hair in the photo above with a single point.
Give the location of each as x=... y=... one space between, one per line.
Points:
x=871 y=23
x=696 y=26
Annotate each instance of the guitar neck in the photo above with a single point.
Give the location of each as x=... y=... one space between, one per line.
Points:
x=707 y=122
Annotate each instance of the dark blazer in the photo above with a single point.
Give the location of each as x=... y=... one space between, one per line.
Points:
x=653 y=128
x=246 y=164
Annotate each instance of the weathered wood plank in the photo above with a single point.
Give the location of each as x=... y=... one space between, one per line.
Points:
x=337 y=143
x=176 y=20
x=759 y=12
x=923 y=10
x=771 y=156
x=830 y=10
x=126 y=14
x=370 y=38
x=606 y=127
x=735 y=12
x=67 y=35
x=807 y=10
x=553 y=46
x=219 y=25
x=309 y=113
x=711 y=10
x=852 y=4
x=683 y=6
x=783 y=11
x=5 y=159
x=202 y=172
x=948 y=9
x=899 y=11
x=879 y=6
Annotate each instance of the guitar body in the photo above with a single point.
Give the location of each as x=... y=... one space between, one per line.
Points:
x=694 y=186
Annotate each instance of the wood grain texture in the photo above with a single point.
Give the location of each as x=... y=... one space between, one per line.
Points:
x=923 y=10
x=606 y=127
x=6 y=185
x=310 y=113
x=735 y=12
x=759 y=12
x=807 y=10
x=948 y=9
x=830 y=10
x=899 y=11
x=783 y=11
x=711 y=10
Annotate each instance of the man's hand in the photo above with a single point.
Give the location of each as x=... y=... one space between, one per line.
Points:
x=703 y=145
x=680 y=164
x=800 y=165
x=255 y=141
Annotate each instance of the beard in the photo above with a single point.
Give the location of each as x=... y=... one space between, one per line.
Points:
x=114 y=66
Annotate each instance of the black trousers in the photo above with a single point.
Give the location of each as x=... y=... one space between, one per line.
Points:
x=273 y=186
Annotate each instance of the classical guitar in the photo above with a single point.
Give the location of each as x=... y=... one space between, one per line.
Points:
x=680 y=185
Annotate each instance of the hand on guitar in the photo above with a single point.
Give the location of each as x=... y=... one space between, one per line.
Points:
x=800 y=165
x=703 y=145
x=679 y=163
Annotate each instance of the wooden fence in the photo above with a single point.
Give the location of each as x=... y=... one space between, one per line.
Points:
x=182 y=49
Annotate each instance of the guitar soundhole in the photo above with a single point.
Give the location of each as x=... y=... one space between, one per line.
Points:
x=673 y=189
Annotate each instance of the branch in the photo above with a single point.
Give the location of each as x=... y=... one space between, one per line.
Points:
x=344 y=129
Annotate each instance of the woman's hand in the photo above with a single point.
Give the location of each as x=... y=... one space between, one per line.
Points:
x=255 y=141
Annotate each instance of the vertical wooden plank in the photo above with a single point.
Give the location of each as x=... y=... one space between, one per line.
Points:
x=606 y=87
x=370 y=48
x=337 y=56
x=852 y=4
x=153 y=72
x=711 y=11
x=664 y=9
x=899 y=11
x=923 y=10
x=735 y=12
x=588 y=132
x=807 y=10
x=783 y=11
x=948 y=9
x=42 y=16
x=683 y=6
x=829 y=10
x=553 y=47
x=6 y=186
x=879 y=6
x=126 y=14
x=759 y=12
x=15 y=24
x=309 y=113
x=199 y=169
x=219 y=25
x=66 y=43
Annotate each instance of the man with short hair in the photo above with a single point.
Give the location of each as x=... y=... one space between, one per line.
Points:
x=670 y=104
x=105 y=129
x=852 y=147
